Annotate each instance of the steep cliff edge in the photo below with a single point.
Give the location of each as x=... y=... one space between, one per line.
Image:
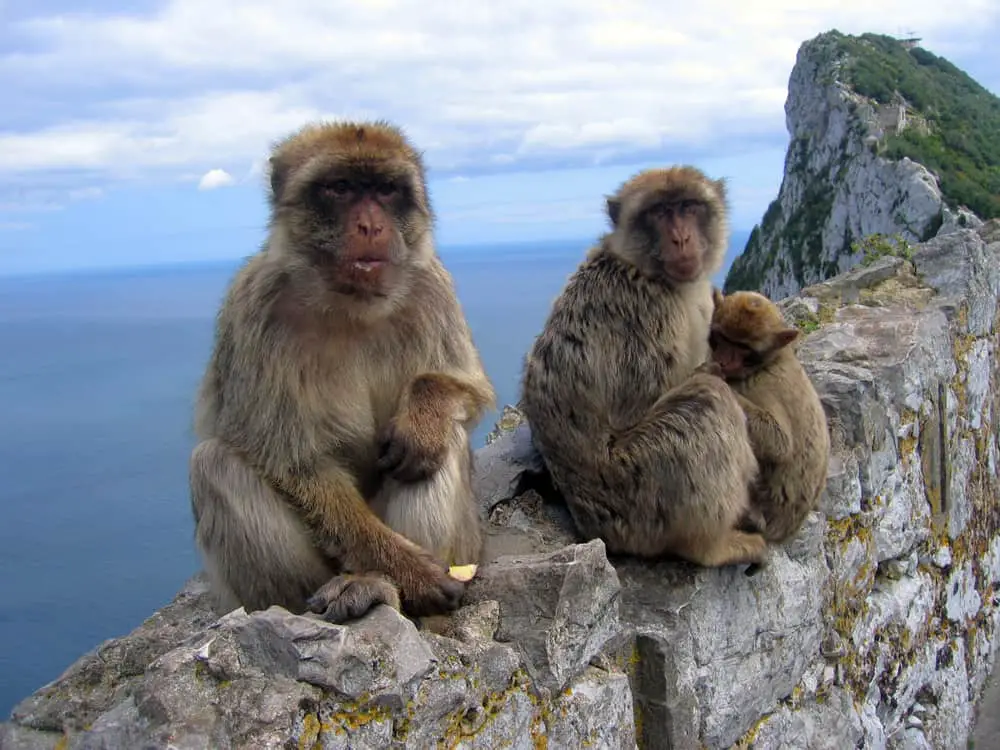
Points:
x=885 y=138
x=873 y=627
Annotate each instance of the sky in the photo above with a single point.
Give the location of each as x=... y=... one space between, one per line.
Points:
x=136 y=133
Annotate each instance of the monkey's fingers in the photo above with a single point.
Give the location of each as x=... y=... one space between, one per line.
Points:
x=433 y=595
x=348 y=597
x=406 y=462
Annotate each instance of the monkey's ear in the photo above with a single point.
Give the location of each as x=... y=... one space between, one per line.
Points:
x=783 y=337
x=614 y=208
x=279 y=173
x=717 y=296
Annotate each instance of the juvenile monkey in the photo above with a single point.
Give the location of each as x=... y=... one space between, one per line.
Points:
x=754 y=351
x=650 y=455
x=333 y=468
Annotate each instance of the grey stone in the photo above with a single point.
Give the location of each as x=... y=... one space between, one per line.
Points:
x=501 y=465
x=562 y=607
x=595 y=711
x=17 y=737
x=833 y=724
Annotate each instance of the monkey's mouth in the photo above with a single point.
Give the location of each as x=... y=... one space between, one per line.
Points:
x=686 y=270
x=367 y=265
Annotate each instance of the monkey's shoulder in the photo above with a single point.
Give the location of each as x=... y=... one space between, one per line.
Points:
x=609 y=289
x=785 y=391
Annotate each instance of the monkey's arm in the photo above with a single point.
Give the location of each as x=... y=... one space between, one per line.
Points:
x=354 y=535
x=416 y=443
x=770 y=440
x=329 y=499
x=454 y=389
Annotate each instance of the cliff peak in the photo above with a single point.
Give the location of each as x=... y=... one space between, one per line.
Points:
x=886 y=138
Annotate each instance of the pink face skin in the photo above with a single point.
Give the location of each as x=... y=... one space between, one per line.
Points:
x=731 y=357
x=678 y=226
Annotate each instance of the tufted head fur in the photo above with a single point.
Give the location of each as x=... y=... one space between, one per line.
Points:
x=641 y=206
x=747 y=331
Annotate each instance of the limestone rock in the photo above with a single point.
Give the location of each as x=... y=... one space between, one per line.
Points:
x=838 y=185
x=561 y=607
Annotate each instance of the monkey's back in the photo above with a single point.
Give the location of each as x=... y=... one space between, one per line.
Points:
x=794 y=486
x=613 y=344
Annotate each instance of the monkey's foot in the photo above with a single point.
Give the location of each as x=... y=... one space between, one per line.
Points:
x=754 y=568
x=732 y=548
x=350 y=596
x=752 y=521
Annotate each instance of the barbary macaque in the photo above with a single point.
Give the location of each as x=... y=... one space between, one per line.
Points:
x=333 y=469
x=755 y=352
x=650 y=454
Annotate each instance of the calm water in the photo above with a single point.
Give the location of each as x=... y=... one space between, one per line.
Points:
x=97 y=377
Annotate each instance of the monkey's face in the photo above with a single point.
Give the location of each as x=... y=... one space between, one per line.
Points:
x=676 y=228
x=736 y=359
x=747 y=333
x=359 y=225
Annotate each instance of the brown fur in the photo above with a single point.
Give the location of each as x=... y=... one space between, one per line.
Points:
x=755 y=351
x=650 y=455
x=334 y=464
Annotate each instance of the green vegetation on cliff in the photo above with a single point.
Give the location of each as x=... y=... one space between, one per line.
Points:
x=962 y=144
x=953 y=129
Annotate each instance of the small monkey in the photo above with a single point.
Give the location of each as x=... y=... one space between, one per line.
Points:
x=755 y=352
x=651 y=455
x=333 y=469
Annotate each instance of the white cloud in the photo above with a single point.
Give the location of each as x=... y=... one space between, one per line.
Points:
x=477 y=85
x=215 y=178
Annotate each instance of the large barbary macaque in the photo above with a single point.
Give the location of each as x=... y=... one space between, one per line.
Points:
x=333 y=469
x=650 y=452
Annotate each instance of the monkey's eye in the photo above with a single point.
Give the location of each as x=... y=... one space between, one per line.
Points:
x=337 y=188
x=385 y=189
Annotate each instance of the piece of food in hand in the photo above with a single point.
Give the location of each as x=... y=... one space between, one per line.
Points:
x=463 y=572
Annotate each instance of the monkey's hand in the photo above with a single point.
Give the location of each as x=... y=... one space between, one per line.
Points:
x=425 y=585
x=413 y=452
x=710 y=367
x=415 y=444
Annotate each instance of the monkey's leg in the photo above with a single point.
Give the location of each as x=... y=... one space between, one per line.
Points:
x=770 y=441
x=688 y=467
x=351 y=533
x=350 y=596
x=256 y=550
x=439 y=513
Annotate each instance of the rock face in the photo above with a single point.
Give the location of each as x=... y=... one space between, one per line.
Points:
x=874 y=627
x=838 y=185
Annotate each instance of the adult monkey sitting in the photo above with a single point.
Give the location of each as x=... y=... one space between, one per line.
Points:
x=333 y=471
x=651 y=454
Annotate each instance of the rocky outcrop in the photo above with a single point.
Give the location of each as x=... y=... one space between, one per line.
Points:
x=838 y=187
x=874 y=627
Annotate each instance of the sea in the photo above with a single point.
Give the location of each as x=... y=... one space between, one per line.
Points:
x=98 y=372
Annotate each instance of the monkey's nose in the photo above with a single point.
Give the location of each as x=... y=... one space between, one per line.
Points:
x=369 y=229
